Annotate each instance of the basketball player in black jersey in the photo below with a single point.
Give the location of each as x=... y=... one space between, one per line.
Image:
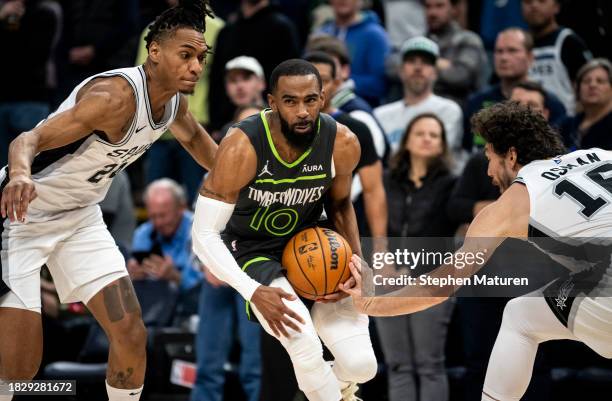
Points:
x=97 y=121
x=272 y=174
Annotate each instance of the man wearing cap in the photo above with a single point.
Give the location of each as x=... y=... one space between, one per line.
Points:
x=418 y=75
x=244 y=85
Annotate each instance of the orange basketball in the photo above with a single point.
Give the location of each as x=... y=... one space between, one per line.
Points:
x=316 y=261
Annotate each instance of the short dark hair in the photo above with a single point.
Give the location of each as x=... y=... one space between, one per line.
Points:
x=321 y=58
x=293 y=67
x=330 y=45
x=189 y=14
x=532 y=86
x=509 y=124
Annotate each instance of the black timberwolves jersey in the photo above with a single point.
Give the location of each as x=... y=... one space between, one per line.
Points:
x=283 y=198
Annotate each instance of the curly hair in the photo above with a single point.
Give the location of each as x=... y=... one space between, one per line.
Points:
x=509 y=124
x=188 y=14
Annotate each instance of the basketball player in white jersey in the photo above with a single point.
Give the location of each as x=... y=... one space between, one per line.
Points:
x=567 y=198
x=61 y=169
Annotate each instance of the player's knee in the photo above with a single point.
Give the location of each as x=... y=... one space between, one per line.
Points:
x=306 y=352
x=129 y=333
x=514 y=312
x=361 y=366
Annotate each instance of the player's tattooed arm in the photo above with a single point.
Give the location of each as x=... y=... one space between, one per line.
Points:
x=193 y=137
x=234 y=167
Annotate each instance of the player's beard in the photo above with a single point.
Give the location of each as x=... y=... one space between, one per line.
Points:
x=300 y=140
x=504 y=182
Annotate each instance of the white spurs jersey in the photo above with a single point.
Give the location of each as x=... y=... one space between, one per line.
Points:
x=570 y=196
x=79 y=174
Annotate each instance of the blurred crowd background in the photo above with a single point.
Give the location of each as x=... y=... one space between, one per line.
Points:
x=405 y=76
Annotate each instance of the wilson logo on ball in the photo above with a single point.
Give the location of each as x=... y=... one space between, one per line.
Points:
x=333 y=245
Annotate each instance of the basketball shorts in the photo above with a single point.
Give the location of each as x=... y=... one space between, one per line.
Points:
x=582 y=302
x=260 y=260
x=76 y=247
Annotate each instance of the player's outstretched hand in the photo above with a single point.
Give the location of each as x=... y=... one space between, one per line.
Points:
x=16 y=197
x=269 y=302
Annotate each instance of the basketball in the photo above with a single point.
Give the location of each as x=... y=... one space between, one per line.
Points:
x=316 y=261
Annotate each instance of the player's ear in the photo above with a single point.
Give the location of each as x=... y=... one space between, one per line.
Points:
x=512 y=157
x=272 y=102
x=154 y=51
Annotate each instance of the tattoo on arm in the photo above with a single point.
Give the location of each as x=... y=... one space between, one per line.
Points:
x=205 y=190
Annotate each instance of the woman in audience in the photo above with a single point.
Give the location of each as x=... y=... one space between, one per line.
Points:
x=418 y=187
x=593 y=126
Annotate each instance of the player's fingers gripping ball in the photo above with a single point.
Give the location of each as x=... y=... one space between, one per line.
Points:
x=317 y=261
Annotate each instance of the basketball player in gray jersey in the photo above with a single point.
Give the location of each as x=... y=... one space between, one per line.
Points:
x=61 y=169
x=565 y=198
x=272 y=174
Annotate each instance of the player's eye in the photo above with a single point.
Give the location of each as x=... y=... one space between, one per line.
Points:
x=184 y=55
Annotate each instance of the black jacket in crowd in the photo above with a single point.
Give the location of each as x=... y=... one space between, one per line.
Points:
x=420 y=212
x=268 y=36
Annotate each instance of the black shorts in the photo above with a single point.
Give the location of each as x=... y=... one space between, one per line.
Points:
x=263 y=268
x=561 y=293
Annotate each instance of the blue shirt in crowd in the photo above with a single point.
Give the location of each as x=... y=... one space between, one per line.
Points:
x=368 y=45
x=178 y=248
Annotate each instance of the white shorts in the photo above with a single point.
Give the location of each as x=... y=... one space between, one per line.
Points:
x=76 y=246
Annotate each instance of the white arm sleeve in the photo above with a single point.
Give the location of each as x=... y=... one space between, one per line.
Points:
x=209 y=220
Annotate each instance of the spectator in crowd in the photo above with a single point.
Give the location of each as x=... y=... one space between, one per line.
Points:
x=244 y=85
x=494 y=17
x=593 y=127
x=404 y=19
x=512 y=59
x=28 y=33
x=345 y=97
x=251 y=34
x=418 y=74
x=559 y=52
x=462 y=54
x=368 y=44
x=418 y=187
x=592 y=21
x=98 y=35
x=180 y=166
x=165 y=239
x=369 y=168
x=531 y=94
x=118 y=210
